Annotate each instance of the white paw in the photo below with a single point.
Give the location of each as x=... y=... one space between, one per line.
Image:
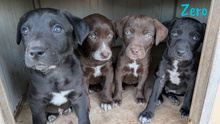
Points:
x=67 y=111
x=106 y=106
x=52 y=118
x=91 y=91
x=144 y=120
x=141 y=103
x=115 y=104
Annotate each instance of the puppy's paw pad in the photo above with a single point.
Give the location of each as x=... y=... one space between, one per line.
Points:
x=51 y=118
x=67 y=111
x=144 y=120
x=184 y=113
x=106 y=106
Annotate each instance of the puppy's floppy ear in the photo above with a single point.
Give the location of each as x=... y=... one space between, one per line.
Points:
x=169 y=23
x=22 y=20
x=161 y=32
x=119 y=25
x=80 y=28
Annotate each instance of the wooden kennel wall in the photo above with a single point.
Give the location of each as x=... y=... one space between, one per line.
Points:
x=13 y=75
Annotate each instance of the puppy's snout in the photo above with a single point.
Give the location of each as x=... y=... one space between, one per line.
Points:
x=181 y=52
x=36 y=52
x=135 y=51
x=105 y=55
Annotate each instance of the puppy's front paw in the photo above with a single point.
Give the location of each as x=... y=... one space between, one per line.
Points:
x=141 y=100
x=160 y=101
x=106 y=106
x=145 y=117
x=117 y=101
x=67 y=111
x=184 y=113
x=174 y=99
x=51 y=118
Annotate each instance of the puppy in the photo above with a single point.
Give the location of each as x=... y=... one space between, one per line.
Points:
x=176 y=73
x=95 y=56
x=139 y=33
x=56 y=76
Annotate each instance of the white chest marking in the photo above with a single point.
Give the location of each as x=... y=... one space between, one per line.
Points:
x=174 y=75
x=97 y=71
x=134 y=66
x=59 y=98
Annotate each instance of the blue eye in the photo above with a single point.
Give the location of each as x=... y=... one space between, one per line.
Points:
x=174 y=33
x=57 y=29
x=25 y=31
x=128 y=32
x=110 y=36
x=92 y=36
x=195 y=37
x=148 y=35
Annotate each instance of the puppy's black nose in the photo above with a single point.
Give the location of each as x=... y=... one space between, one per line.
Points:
x=36 y=52
x=181 y=52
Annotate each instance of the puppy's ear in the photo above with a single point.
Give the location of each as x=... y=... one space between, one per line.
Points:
x=161 y=32
x=169 y=24
x=22 y=20
x=119 y=25
x=80 y=28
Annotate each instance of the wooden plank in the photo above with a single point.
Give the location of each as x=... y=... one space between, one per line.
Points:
x=6 y=116
x=203 y=75
x=214 y=119
x=213 y=83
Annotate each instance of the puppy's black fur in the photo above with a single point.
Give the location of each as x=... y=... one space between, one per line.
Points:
x=176 y=72
x=56 y=76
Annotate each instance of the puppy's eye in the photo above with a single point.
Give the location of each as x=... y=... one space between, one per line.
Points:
x=57 y=29
x=128 y=32
x=195 y=37
x=174 y=33
x=92 y=36
x=25 y=31
x=148 y=35
x=110 y=36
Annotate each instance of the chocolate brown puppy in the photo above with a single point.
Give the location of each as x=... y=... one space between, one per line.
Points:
x=139 y=33
x=95 y=56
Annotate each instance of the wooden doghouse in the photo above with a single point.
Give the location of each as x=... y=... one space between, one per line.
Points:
x=14 y=76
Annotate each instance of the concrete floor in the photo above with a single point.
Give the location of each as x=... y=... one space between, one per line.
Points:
x=128 y=112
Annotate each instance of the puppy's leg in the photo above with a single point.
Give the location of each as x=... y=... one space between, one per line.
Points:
x=86 y=86
x=107 y=89
x=184 y=111
x=118 y=87
x=80 y=107
x=140 y=97
x=148 y=113
x=38 y=111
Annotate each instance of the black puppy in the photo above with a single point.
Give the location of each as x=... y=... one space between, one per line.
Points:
x=56 y=76
x=176 y=72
